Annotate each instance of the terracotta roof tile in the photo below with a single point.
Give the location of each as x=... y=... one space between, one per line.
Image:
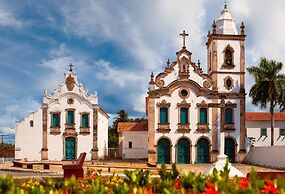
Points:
x=264 y=116
x=132 y=126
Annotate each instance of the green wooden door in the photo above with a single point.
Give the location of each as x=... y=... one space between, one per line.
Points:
x=230 y=149
x=183 y=154
x=70 y=148
x=163 y=151
x=203 y=151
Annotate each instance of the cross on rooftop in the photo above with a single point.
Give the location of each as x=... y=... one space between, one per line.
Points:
x=183 y=36
x=70 y=66
x=226 y=4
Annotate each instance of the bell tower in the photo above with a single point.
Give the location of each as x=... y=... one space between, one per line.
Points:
x=226 y=66
x=226 y=62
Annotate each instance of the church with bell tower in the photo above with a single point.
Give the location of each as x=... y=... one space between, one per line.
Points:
x=188 y=108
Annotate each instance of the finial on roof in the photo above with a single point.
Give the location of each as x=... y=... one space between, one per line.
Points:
x=199 y=63
x=183 y=37
x=70 y=67
x=214 y=27
x=151 y=78
x=168 y=63
x=226 y=5
x=242 y=26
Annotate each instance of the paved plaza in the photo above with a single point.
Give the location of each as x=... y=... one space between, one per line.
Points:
x=117 y=167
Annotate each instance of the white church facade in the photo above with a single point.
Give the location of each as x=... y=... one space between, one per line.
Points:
x=69 y=122
x=188 y=108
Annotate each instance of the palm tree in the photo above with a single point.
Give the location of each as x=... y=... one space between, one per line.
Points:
x=269 y=87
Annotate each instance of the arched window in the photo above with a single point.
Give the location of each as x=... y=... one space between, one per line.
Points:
x=228 y=57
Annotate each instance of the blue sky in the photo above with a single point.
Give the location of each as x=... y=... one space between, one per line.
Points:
x=114 y=46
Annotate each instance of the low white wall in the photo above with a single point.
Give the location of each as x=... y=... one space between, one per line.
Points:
x=269 y=156
x=139 y=144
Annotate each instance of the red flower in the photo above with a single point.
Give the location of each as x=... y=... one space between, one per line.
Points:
x=210 y=186
x=243 y=183
x=177 y=183
x=149 y=191
x=210 y=189
x=269 y=188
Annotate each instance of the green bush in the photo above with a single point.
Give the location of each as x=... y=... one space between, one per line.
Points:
x=140 y=182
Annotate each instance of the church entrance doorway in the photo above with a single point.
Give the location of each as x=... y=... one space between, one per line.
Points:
x=70 y=148
x=183 y=155
x=163 y=151
x=230 y=149
x=203 y=151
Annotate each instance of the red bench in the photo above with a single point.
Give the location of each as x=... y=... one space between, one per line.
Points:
x=75 y=169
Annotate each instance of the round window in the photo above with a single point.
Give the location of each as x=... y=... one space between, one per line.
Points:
x=184 y=93
x=229 y=82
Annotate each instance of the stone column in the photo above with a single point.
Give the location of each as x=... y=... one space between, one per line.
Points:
x=94 y=151
x=214 y=152
x=151 y=128
x=222 y=144
x=44 y=150
x=242 y=150
x=242 y=65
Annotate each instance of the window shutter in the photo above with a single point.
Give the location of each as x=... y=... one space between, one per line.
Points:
x=263 y=132
x=184 y=115
x=229 y=116
x=55 y=120
x=163 y=115
x=70 y=119
x=203 y=116
x=85 y=120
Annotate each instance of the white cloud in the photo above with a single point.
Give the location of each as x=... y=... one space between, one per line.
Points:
x=105 y=71
x=16 y=109
x=7 y=19
x=58 y=61
x=147 y=33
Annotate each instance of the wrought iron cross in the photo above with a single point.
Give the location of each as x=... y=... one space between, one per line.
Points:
x=183 y=36
x=70 y=66
x=226 y=5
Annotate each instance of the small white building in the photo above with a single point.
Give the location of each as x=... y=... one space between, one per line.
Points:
x=69 y=122
x=259 y=128
x=133 y=138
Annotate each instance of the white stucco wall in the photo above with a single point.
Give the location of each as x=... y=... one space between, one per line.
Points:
x=139 y=141
x=28 y=140
x=102 y=135
x=193 y=135
x=274 y=156
x=254 y=130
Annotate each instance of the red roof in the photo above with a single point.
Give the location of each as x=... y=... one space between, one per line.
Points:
x=264 y=116
x=132 y=126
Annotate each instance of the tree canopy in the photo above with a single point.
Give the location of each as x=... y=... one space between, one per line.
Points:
x=122 y=116
x=269 y=87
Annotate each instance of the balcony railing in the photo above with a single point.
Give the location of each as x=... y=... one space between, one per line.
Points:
x=54 y=130
x=163 y=127
x=203 y=127
x=84 y=131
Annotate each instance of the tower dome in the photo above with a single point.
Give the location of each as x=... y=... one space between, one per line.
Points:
x=226 y=24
